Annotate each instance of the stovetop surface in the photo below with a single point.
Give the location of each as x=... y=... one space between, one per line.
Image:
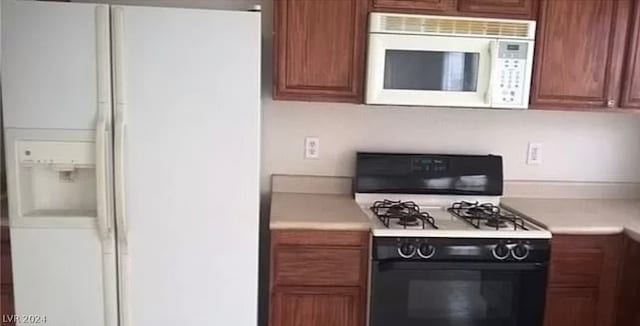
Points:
x=447 y=224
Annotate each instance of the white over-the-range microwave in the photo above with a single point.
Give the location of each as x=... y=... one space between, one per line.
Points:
x=449 y=61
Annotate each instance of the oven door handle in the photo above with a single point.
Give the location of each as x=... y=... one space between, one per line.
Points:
x=427 y=266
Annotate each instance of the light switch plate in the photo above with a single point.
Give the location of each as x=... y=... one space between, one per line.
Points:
x=312 y=148
x=534 y=154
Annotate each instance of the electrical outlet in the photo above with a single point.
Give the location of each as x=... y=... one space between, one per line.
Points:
x=312 y=148
x=534 y=154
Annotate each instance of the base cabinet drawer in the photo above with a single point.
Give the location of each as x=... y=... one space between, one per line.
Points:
x=317 y=266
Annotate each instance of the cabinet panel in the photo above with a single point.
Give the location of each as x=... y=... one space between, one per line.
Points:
x=313 y=237
x=571 y=307
x=5 y=257
x=583 y=268
x=631 y=82
x=317 y=307
x=319 y=50
x=415 y=6
x=629 y=283
x=576 y=267
x=526 y=9
x=578 y=60
x=318 y=266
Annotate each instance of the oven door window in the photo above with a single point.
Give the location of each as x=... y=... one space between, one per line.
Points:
x=431 y=70
x=454 y=296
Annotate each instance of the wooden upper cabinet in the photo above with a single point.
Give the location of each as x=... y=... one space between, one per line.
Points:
x=525 y=9
x=319 y=50
x=630 y=97
x=415 y=6
x=580 y=47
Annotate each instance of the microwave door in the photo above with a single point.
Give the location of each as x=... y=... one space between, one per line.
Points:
x=429 y=70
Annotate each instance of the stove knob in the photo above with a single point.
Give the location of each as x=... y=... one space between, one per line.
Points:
x=426 y=250
x=501 y=251
x=520 y=252
x=407 y=250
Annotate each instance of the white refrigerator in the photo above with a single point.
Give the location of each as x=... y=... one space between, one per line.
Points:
x=132 y=140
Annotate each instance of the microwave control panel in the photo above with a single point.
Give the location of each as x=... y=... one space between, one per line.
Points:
x=511 y=73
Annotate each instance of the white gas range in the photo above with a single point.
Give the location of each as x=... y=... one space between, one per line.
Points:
x=444 y=252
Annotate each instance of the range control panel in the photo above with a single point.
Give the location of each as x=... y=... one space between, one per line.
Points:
x=511 y=73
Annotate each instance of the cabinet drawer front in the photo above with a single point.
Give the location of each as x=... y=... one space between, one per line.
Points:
x=318 y=266
x=331 y=238
x=579 y=268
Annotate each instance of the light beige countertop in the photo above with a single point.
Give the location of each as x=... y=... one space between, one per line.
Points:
x=316 y=212
x=580 y=216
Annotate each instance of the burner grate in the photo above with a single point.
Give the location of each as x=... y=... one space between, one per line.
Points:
x=404 y=213
x=488 y=214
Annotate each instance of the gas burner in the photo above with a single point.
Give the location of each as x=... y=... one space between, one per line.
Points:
x=406 y=214
x=495 y=223
x=488 y=214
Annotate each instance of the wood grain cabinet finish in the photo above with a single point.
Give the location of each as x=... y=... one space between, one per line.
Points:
x=629 y=285
x=571 y=307
x=326 y=306
x=579 y=52
x=6 y=280
x=319 y=50
x=415 y=6
x=630 y=97
x=583 y=280
x=318 y=278
x=524 y=9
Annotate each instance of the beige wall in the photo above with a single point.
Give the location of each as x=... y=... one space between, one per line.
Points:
x=576 y=146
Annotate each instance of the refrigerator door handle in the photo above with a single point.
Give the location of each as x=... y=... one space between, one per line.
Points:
x=120 y=127
x=117 y=32
x=104 y=200
x=102 y=126
x=102 y=134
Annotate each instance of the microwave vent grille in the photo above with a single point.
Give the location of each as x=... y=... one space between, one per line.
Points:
x=455 y=26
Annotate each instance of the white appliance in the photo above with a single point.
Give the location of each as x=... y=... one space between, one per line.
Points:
x=449 y=61
x=132 y=139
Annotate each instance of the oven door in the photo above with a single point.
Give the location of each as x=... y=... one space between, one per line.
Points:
x=457 y=294
x=430 y=70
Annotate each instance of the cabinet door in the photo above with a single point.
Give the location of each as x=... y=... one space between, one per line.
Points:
x=415 y=6
x=571 y=307
x=319 y=50
x=322 y=306
x=6 y=305
x=526 y=9
x=578 y=60
x=631 y=82
x=628 y=312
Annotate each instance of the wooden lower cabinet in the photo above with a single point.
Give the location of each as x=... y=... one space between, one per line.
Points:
x=6 y=280
x=629 y=297
x=583 y=280
x=317 y=306
x=571 y=307
x=318 y=278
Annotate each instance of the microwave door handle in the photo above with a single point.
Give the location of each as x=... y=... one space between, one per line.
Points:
x=493 y=60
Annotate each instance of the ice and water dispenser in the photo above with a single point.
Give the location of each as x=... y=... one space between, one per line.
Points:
x=55 y=179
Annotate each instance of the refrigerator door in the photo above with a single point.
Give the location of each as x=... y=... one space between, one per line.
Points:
x=49 y=76
x=57 y=104
x=187 y=92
